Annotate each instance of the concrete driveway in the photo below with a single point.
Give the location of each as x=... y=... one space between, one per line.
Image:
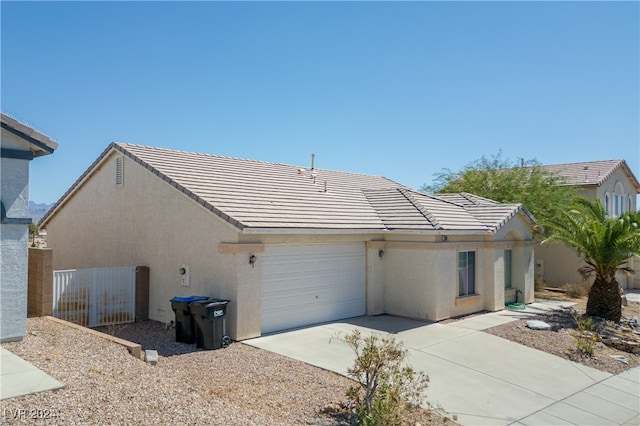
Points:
x=480 y=378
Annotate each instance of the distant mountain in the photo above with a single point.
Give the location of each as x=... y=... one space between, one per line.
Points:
x=37 y=210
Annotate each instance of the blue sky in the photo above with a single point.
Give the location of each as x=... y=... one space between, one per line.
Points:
x=400 y=90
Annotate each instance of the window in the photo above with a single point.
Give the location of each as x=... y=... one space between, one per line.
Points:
x=630 y=209
x=466 y=273
x=618 y=204
x=119 y=172
x=606 y=203
x=507 y=269
x=618 y=199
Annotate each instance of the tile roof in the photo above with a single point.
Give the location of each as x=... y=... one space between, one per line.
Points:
x=592 y=173
x=405 y=209
x=258 y=196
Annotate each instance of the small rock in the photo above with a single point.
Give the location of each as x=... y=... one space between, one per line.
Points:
x=151 y=356
x=538 y=325
x=620 y=358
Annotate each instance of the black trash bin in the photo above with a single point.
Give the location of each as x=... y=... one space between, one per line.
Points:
x=209 y=322
x=185 y=328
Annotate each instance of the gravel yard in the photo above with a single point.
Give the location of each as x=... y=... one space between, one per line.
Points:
x=239 y=385
x=560 y=340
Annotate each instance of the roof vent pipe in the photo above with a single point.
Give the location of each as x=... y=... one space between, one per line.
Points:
x=313 y=161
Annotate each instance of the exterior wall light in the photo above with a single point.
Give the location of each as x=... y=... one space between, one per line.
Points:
x=252 y=260
x=380 y=253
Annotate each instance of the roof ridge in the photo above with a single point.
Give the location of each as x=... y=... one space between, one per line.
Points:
x=584 y=162
x=205 y=154
x=408 y=194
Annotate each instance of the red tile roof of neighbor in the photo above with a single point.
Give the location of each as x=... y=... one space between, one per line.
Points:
x=592 y=173
x=256 y=196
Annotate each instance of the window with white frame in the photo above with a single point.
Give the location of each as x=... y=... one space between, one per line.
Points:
x=606 y=203
x=466 y=273
x=618 y=200
x=618 y=205
x=630 y=209
x=507 y=269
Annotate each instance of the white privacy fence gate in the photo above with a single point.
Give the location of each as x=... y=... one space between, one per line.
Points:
x=95 y=297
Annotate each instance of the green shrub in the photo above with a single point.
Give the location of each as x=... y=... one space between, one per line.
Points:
x=586 y=344
x=585 y=336
x=584 y=323
x=386 y=385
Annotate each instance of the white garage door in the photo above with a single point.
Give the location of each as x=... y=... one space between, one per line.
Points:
x=304 y=285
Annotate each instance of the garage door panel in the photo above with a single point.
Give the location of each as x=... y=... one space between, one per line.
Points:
x=304 y=285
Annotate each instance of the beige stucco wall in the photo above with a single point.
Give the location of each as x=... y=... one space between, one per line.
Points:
x=148 y=222
x=417 y=276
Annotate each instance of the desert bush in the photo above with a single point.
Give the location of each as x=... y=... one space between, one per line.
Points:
x=539 y=284
x=575 y=290
x=585 y=336
x=586 y=344
x=386 y=385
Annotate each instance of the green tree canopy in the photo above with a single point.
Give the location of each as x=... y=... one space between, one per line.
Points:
x=605 y=244
x=542 y=192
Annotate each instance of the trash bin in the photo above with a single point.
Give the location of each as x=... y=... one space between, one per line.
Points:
x=185 y=329
x=209 y=322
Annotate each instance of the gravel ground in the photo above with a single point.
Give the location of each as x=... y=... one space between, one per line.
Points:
x=239 y=385
x=560 y=340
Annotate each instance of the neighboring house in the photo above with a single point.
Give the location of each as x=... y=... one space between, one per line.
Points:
x=290 y=246
x=611 y=182
x=19 y=144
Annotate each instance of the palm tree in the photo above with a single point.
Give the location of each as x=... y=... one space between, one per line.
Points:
x=605 y=244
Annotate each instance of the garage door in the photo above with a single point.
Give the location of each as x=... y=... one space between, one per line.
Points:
x=308 y=284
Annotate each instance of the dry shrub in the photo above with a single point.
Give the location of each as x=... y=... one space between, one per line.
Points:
x=576 y=290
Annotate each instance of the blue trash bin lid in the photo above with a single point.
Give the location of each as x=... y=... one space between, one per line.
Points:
x=189 y=299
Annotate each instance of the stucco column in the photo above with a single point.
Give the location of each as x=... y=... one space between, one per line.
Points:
x=244 y=289
x=376 y=253
x=13 y=291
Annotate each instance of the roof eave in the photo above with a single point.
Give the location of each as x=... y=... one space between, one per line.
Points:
x=40 y=144
x=357 y=231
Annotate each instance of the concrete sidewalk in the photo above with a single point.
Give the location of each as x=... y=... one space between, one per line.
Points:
x=19 y=377
x=480 y=378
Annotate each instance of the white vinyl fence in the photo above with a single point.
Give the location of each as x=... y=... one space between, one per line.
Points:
x=95 y=297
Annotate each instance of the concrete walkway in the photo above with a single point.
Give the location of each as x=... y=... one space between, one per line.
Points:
x=480 y=378
x=19 y=377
